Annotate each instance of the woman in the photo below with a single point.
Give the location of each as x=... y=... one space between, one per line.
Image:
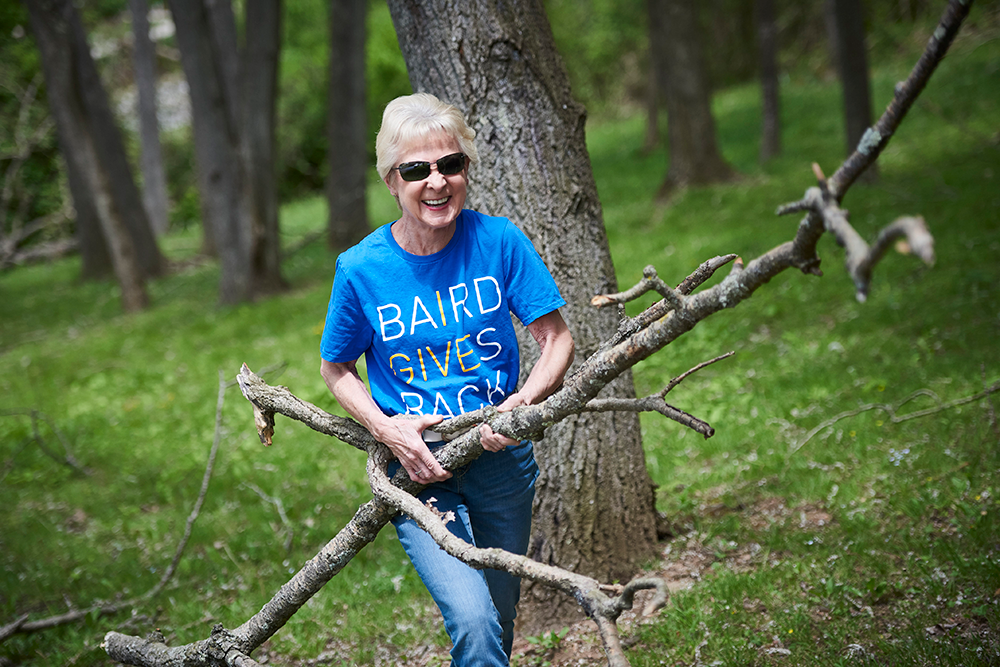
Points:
x=427 y=299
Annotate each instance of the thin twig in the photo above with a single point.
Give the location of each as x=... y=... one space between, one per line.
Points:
x=280 y=507
x=74 y=616
x=68 y=459
x=683 y=376
x=891 y=411
x=652 y=403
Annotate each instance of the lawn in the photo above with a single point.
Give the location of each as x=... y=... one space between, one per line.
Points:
x=817 y=527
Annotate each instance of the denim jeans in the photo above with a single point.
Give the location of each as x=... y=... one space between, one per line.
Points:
x=491 y=498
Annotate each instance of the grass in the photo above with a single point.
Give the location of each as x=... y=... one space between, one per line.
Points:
x=901 y=568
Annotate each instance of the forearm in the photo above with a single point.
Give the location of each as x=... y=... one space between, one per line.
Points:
x=402 y=436
x=557 y=350
x=548 y=372
x=349 y=389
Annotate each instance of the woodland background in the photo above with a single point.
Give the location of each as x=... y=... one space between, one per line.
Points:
x=874 y=541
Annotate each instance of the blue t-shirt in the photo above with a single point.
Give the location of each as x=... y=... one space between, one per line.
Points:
x=435 y=329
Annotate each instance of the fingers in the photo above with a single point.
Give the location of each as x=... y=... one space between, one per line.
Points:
x=424 y=421
x=513 y=401
x=425 y=469
x=426 y=473
x=492 y=441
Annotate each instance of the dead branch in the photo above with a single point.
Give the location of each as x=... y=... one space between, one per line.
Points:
x=602 y=609
x=646 y=334
x=280 y=508
x=67 y=458
x=892 y=411
x=22 y=625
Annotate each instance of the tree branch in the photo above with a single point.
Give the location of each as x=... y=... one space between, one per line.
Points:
x=22 y=625
x=874 y=141
x=643 y=336
x=598 y=606
x=891 y=410
x=68 y=459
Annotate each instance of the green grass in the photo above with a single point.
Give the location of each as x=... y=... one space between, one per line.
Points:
x=910 y=541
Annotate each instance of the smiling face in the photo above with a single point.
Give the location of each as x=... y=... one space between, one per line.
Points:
x=430 y=206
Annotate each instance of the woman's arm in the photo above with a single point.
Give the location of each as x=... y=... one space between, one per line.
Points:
x=402 y=436
x=556 y=343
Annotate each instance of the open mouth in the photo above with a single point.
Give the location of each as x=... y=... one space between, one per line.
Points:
x=434 y=203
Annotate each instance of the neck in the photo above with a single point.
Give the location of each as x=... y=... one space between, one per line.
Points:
x=421 y=241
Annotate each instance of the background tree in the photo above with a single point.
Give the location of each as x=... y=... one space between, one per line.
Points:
x=497 y=62
x=154 y=180
x=845 y=22
x=232 y=88
x=92 y=143
x=676 y=47
x=767 y=51
x=347 y=126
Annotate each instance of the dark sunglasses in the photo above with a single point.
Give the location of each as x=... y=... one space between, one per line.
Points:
x=449 y=165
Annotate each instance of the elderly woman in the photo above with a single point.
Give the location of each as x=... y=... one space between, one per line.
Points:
x=428 y=300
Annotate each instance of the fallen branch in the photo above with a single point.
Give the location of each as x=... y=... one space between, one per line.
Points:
x=280 y=507
x=67 y=459
x=22 y=625
x=586 y=591
x=892 y=410
x=679 y=312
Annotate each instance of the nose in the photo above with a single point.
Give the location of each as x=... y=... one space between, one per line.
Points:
x=436 y=179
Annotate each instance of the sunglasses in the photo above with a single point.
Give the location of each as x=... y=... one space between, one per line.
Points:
x=449 y=165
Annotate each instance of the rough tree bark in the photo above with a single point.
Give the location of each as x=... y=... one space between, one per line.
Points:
x=232 y=102
x=92 y=145
x=845 y=21
x=676 y=46
x=154 y=179
x=95 y=258
x=594 y=510
x=346 y=126
x=767 y=49
x=259 y=58
x=680 y=310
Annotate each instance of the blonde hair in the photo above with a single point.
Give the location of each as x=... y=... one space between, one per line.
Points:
x=412 y=118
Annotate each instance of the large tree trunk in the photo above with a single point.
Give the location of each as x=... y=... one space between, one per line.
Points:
x=154 y=180
x=594 y=512
x=346 y=125
x=216 y=146
x=95 y=259
x=232 y=103
x=258 y=106
x=676 y=46
x=91 y=142
x=767 y=48
x=846 y=29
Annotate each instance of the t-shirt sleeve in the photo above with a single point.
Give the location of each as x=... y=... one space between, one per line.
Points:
x=347 y=333
x=531 y=290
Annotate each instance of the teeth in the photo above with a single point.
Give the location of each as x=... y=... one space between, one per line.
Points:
x=435 y=202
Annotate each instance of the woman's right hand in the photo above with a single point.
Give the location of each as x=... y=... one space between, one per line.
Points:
x=404 y=438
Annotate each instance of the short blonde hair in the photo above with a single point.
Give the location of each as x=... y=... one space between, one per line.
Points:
x=411 y=118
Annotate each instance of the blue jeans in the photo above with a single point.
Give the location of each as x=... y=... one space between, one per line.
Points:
x=491 y=498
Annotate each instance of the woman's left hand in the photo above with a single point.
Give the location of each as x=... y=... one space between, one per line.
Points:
x=493 y=441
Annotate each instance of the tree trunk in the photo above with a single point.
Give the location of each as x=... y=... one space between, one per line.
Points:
x=676 y=46
x=594 y=510
x=88 y=139
x=258 y=87
x=94 y=258
x=346 y=125
x=846 y=29
x=767 y=48
x=154 y=180
x=232 y=103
